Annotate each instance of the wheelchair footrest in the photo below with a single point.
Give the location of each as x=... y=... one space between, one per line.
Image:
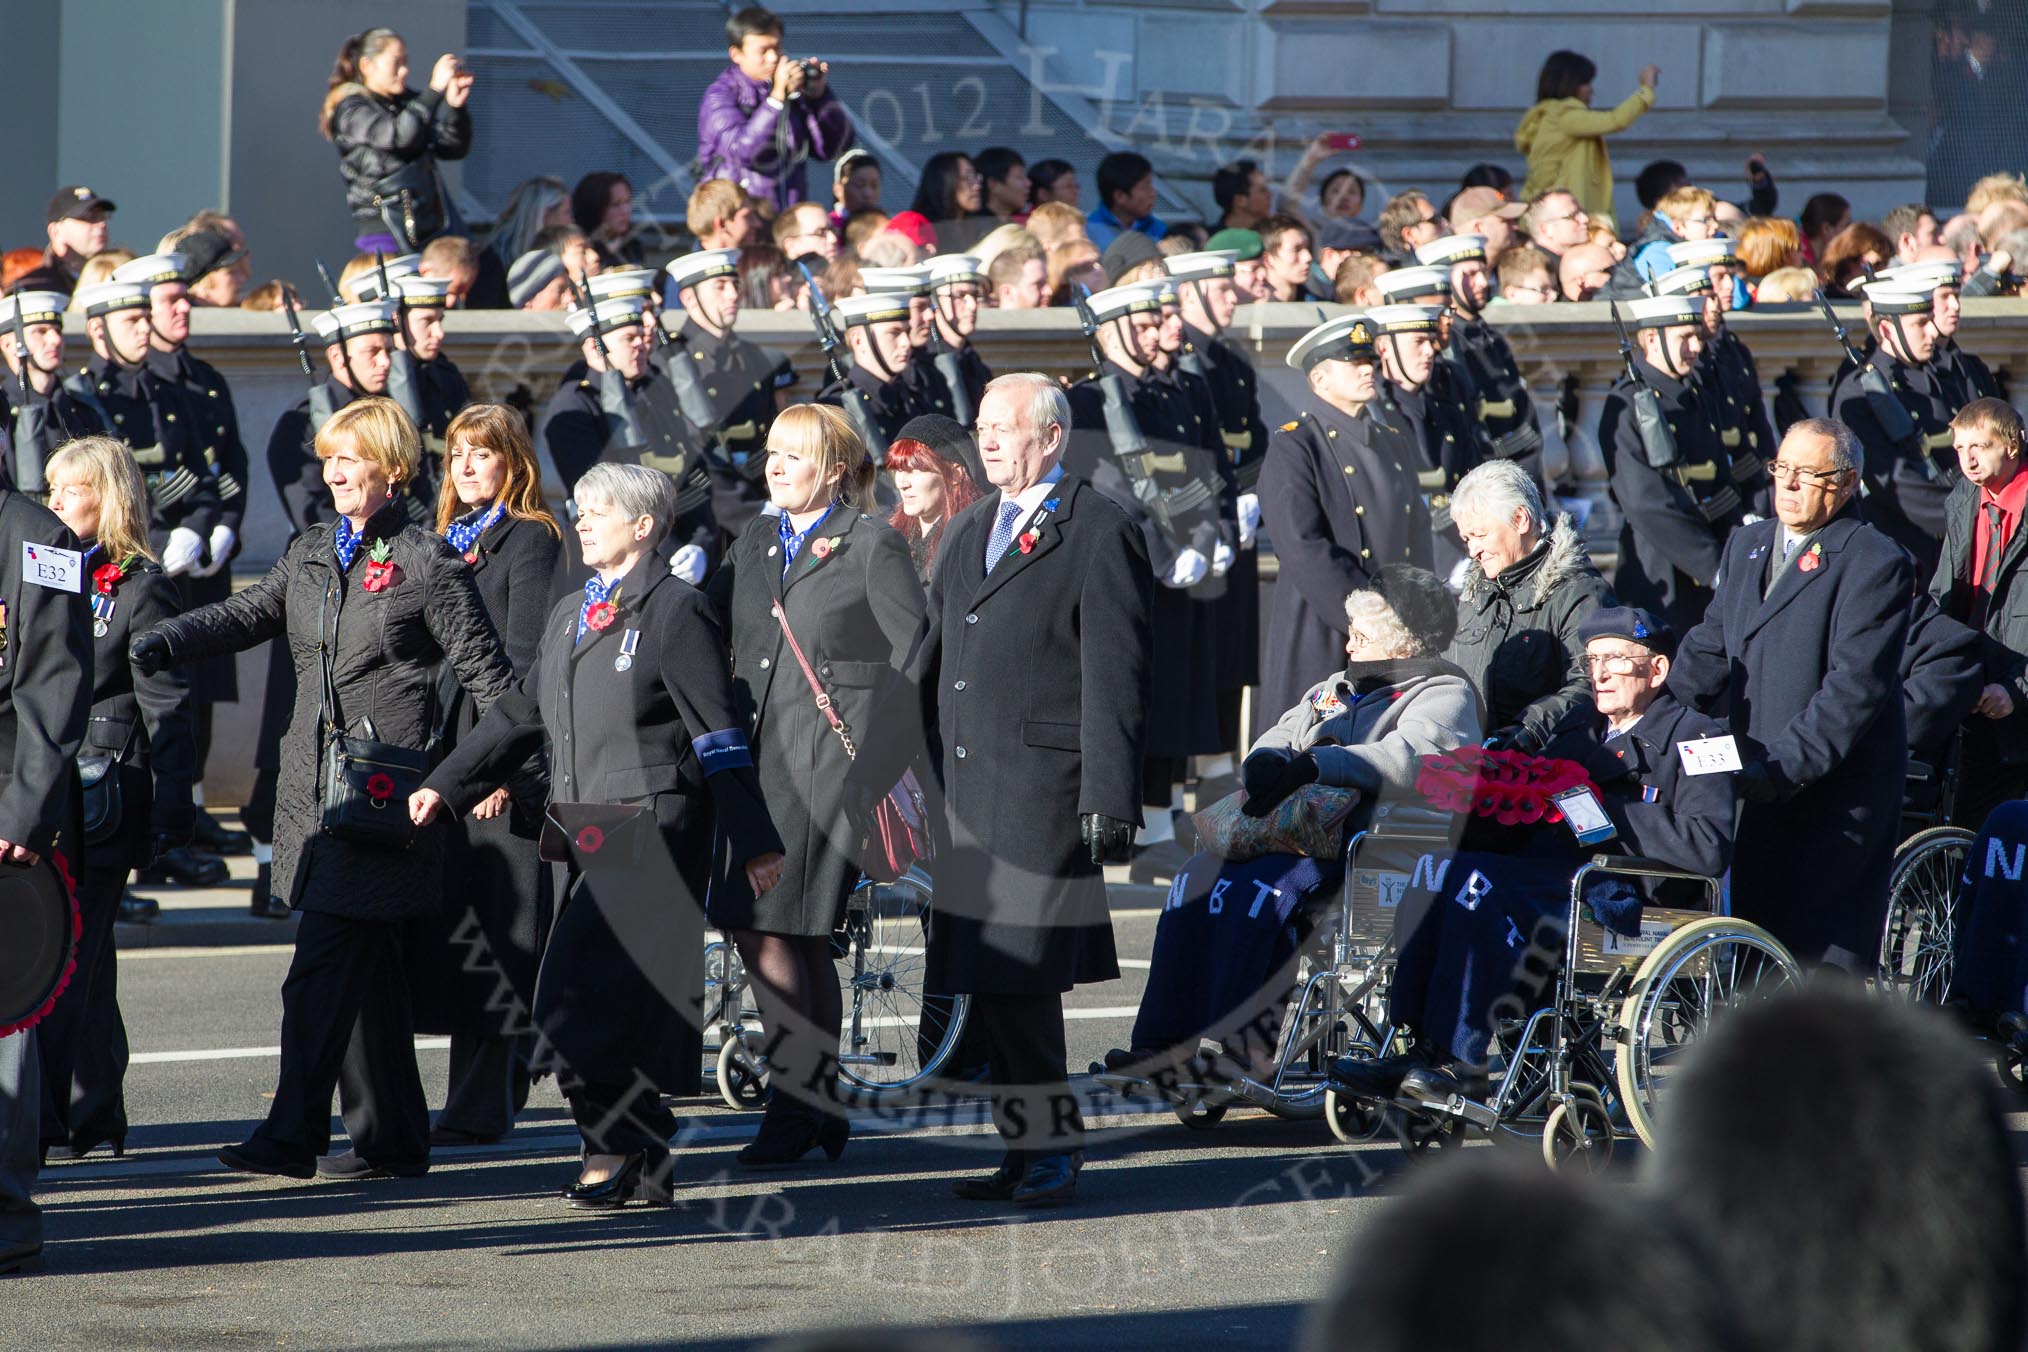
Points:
x=1454 y=1106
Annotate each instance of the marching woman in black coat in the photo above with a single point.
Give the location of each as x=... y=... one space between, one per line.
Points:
x=845 y=587
x=472 y=963
x=633 y=693
x=385 y=603
x=143 y=725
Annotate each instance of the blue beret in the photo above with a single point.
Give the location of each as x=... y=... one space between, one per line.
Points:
x=1633 y=623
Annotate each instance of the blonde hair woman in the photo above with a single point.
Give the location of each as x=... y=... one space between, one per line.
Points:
x=141 y=724
x=371 y=607
x=845 y=587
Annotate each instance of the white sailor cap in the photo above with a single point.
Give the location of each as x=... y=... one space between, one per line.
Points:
x=423 y=293
x=1117 y=301
x=1404 y=318
x=1665 y=312
x=620 y=312
x=896 y=281
x=1165 y=290
x=367 y=284
x=154 y=270
x=1897 y=297
x=1452 y=250
x=106 y=297
x=1346 y=338
x=1911 y=276
x=1200 y=266
x=1691 y=280
x=621 y=283
x=1404 y=284
x=874 y=307
x=37 y=307
x=1718 y=252
x=701 y=266
x=952 y=270
x=350 y=321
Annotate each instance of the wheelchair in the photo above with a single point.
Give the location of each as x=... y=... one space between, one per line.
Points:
x=1919 y=941
x=894 y=1037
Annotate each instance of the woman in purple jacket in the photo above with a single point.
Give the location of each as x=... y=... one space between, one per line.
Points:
x=761 y=120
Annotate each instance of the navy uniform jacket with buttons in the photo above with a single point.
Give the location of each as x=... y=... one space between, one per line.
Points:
x=1676 y=520
x=61 y=416
x=45 y=685
x=299 y=476
x=1660 y=811
x=1808 y=674
x=1039 y=677
x=1339 y=501
x=445 y=392
x=1728 y=374
x=217 y=423
x=660 y=731
x=1905 y=495
x=1434 y=432
x=574 y=428
x=157 y=421
x=933 y=390
x=894 y=402
x=1973 y=378
x=1503 y=405
x=1235 y=402
x=741 y=380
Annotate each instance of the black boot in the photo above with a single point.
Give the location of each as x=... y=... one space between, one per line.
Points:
x=212 y=838
x=265 y=905
x=188 y=868
x=136 y=910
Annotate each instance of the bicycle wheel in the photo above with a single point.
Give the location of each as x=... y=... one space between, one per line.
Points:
x=894 y=1037
x=1918 y=945
x=1691 y=978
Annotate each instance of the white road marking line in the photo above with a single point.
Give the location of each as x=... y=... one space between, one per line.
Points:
x=222 y=951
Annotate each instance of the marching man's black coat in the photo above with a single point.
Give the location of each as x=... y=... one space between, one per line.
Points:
x=1040 y=680
x=1808 y=674
x=45 y=685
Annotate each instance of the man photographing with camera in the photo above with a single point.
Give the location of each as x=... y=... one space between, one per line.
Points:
x=760 y=121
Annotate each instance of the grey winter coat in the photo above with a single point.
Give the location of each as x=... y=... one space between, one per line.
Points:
x=1517 y=636
x=386 y=646
x=1375 y=742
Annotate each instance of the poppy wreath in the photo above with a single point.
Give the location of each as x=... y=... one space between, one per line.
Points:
x=70 y=966
x=1508 y=787
x=380 y=570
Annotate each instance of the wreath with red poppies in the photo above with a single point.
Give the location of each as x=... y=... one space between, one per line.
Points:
x=70 y=966
x=1509 y=787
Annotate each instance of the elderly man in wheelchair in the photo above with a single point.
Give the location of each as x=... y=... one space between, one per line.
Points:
x=1236 y=911
x=1660 y=788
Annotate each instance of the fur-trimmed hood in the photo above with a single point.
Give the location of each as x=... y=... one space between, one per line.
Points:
x=1555 y=561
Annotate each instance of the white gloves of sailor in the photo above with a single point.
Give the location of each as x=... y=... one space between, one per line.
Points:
x=1221 y=559
x=1249 y=519
x=183 y=552
x=689 y=564
x=1188 y=570
x=223 y=538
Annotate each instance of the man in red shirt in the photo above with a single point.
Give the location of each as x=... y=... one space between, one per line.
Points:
x=1974 y=584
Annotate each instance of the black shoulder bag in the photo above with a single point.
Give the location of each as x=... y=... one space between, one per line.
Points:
x=366 y=783
x=104 y=803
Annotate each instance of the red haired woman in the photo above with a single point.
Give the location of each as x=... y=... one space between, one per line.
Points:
x=934 y=463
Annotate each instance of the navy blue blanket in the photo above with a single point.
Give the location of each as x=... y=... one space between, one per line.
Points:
x=1990 y=972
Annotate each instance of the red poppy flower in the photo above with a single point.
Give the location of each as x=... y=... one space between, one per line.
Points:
x=1507 y=786
x=379 y=787
x=1027 y=541
x=1807 y=563
x=590 y=840
x=601 y=615
x=823 y=546
x=471 y=556
x=107 y=576
x=380 y=576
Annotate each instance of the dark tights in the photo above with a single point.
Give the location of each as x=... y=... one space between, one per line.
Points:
x=796 y=982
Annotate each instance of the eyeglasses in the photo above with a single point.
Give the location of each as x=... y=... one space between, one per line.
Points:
x=1782 y=472
x=1528 y=289
x=1572 y=216
x=1614 y=664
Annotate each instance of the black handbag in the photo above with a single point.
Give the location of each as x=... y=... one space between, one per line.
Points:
x=365 y=782
x=573 y=832
x=104 y=802
x=412 y=203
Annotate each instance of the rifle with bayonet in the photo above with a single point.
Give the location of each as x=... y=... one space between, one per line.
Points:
x=623 y=426
x=320 y=393
x=31 y=421
x=1888 y=411
x=338 y=336
x=404 y=373
x=1658 y=443
x=858 y=408
x=950 y=366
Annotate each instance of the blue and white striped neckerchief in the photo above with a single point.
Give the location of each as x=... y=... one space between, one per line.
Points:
x=793 y=539
x=346 y=541
x=466 y=530
x=595 y=591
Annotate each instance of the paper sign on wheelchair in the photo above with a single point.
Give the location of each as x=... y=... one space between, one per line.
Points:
x=1709 y=755
x=1585 y=815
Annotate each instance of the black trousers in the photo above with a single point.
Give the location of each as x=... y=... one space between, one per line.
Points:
x=1032 y=1104
x=620 y=1119
x=346 y=1026
x=84 y=1041
x=1984 y=780
x=489 y=1084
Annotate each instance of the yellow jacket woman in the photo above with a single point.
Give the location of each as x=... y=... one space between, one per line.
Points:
x=1564 y=138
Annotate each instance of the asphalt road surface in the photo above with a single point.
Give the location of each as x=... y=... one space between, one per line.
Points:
x=1178 y=1237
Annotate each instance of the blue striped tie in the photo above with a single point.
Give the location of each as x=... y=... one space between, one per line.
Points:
x=1002 y=537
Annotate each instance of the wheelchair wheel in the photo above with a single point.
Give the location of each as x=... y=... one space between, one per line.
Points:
x=1579 y=1133
x=1692 y=977
x=1422 y=1138
x=1352 y=1120
x=894 y=1036
x=742 y=1075
x=1918 y=946
x=724 y=982
x=1200 y=1112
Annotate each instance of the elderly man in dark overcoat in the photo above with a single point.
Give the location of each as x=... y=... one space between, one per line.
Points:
x=1037 y=663
x=1802 y=648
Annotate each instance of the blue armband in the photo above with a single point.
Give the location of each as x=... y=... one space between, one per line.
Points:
x=724 y=750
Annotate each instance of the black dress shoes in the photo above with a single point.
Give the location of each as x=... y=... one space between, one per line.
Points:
x=186 y=868
x=352 y=1167
x=997 y=1186
x=212 y=838
x=255 y=1157
x=1438 y=1084
x=644 y=1177
x=135 y=910
x=265 y=905
x=1376 y=1077
x=451 y=1136
x=1050 y=1181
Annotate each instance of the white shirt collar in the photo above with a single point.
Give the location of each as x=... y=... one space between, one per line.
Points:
x=1031 y=497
